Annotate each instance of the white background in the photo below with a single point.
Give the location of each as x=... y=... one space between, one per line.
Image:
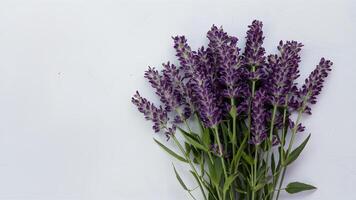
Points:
x=69 y=68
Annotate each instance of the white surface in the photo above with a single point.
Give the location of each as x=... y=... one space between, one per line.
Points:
x=68 y=69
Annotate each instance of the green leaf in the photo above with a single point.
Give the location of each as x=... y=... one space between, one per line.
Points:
x=228 y=183
x=273 y=164
x=244 y=128
x=196 y=144
x=191 y=135
x=233 y=111
x=206 y=137
x=225 y=131
x=188 y=148
x=215 y=171
x=170 y=151
x=259 y=186
x=240 y=191
x=193 y=141
x=204 y=183
x=180 y=179
x=218 y=169
x=294 y=155
x=202 y=163
x=248 y=158
x=296 y=187
x=236 y=159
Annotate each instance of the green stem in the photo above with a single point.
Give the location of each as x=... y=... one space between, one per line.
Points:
x=191 y=195
x=291 y=142
x=281 y=156
x=269 y=143
x=190 y=130
x=199 y=122
x=255 y=173
x=219 y=195
x=220 y=150
x=191 y=165
x=234 y=138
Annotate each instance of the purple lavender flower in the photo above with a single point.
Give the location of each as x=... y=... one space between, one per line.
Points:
x=185 y=54
x=157 y=115
x=205 y=99
x=258 y=128
x=242 y=107
x=254 y=52
x=313 y=85
x=215 y=149
x=300 y=127
x=275 y=140
x=173 y=77
x=284 y=71
x=228 y=59
x=164 y=89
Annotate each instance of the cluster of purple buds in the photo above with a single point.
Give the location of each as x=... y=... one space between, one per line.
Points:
x=214 y=148
x=313 y=85
x=229 y=62
x=300 y=127
x=158 y=116
x=185 y=55
x=283 y=71
x=210 y=80
x=204 y=96
x=168 y=96
x=258 y=115
x=254 y=54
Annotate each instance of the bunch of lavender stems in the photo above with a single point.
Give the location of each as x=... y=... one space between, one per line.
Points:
x=243 y=103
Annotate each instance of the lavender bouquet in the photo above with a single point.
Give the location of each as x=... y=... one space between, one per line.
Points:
x=238 y=112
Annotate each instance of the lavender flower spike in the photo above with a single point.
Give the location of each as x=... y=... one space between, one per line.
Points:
x=314 y=83
x=254 y=52
x=205 y=99
x=258 y=128
x=204 y=96
x=228 y=59
x=157 y=115
x=185 y=54
x=164 y=89
x=173 y=77
x=284 y=71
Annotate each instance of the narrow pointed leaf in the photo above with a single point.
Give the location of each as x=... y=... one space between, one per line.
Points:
x=228 y=183
x=294 y=155
x=193 y=141
x=296 y=187
x=273 y=164
x=233 y=111
x=172 y=153
x=248 y=158
x=236 y=159
x=180 y=179
x=191 y=135
x=206 y=138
